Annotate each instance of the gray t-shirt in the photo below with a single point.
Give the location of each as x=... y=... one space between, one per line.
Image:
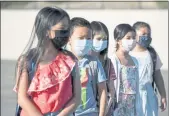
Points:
x=88 y=104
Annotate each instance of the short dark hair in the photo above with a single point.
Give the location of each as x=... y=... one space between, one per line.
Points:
x=139 y=24
x=78 y=21
x=121 y=30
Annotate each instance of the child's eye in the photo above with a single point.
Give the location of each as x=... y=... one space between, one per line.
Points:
x=134 y=37
x=128 y=38
x=104 y=39
x=81 y=38
x=99 y=38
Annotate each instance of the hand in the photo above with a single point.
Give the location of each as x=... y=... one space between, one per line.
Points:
x=163 y=104
x=61 y=114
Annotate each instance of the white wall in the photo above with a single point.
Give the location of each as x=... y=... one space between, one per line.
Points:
x=16 y=26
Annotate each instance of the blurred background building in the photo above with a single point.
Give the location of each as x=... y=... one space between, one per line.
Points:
x=134 y=4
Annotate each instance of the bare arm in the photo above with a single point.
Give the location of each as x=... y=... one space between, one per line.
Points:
x=103 y=97
x=160 y=83
x=75 y=101
x=161 y=88
x=111 y=88
x=111 y=95
x=27 y=105
x=112 y=77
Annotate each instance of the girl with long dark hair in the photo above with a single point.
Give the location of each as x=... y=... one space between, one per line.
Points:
x=47 y=77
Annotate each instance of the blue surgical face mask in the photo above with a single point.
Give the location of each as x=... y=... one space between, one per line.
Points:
x=99 y=46
x=82 y=47
x=144 y=41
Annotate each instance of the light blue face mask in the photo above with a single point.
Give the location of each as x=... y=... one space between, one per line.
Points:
x=82 y=47
x=99 y=46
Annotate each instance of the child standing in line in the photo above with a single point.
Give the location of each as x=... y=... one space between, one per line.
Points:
x=93 y=80
x=126 y=83
x=100 y=49
x=149 y=65
x=48 y=81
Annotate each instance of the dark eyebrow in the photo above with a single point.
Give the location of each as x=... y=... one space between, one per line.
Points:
x=128 y=36
x=81 y=36
x=63 y=28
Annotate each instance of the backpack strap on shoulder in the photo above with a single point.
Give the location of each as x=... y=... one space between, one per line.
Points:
x=93 y=68
x=31 y=70
x=108 y=74
x=153 y=55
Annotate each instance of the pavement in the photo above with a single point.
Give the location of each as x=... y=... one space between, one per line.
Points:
x=8 y=96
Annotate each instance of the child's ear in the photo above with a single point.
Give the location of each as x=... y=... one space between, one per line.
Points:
x=47 y=33
x=118 y=42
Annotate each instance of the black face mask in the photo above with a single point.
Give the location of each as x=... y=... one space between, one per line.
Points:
x=61 y=38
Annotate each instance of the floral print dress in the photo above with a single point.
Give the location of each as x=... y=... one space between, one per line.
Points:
x=126 y=105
